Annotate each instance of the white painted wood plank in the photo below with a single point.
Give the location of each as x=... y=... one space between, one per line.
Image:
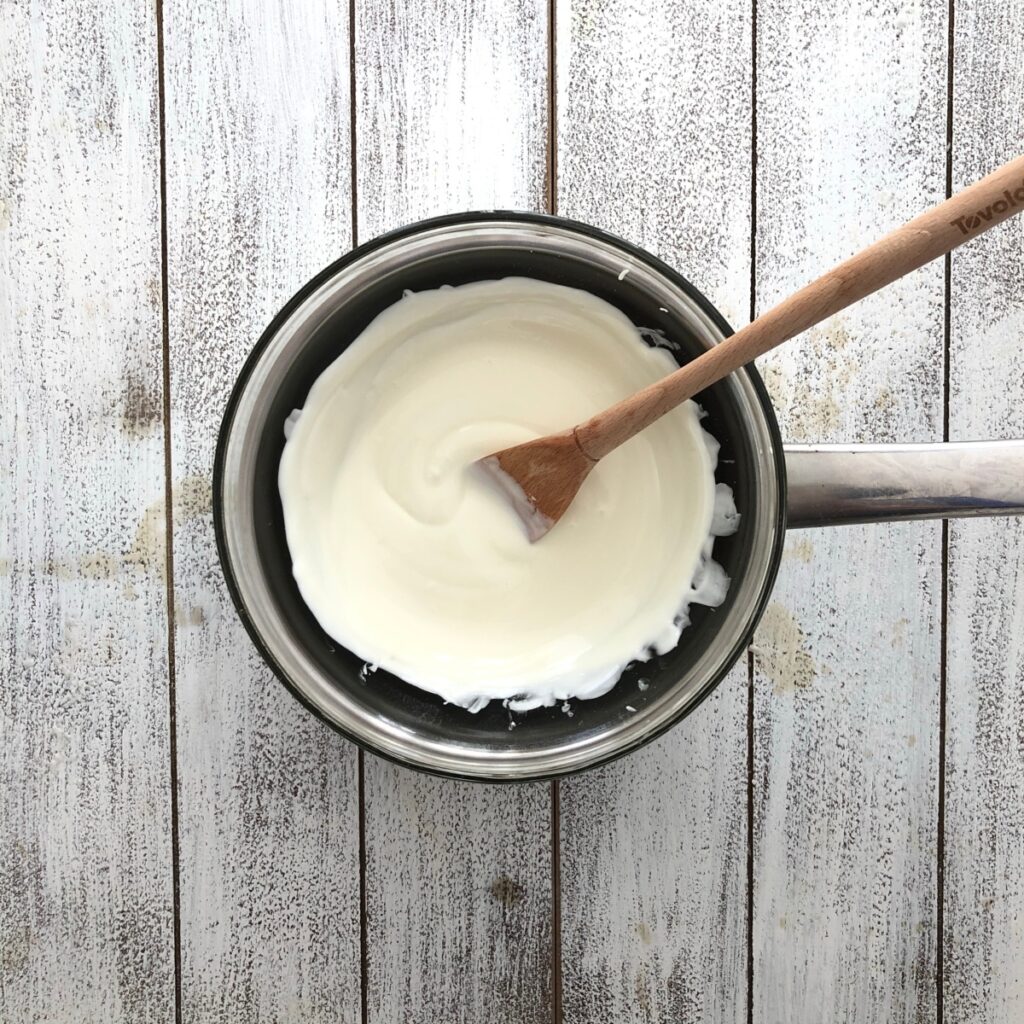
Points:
x=654 y=143
x=451 y=108
x=458 y=899
x=451 y=115
x=984 y=812
x=257 y=100
x=654 y=875
x=86 y=902
x=851 y=141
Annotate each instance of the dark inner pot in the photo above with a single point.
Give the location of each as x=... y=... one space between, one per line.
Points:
x=386 y=697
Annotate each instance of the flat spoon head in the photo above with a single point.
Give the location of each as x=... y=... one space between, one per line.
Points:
x=540 y=478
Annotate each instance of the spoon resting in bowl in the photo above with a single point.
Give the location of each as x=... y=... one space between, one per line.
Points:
x=541 y=477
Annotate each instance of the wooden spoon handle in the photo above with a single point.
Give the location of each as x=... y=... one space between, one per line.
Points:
x=928 y=236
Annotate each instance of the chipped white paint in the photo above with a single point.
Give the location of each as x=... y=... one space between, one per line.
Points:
x=86 y=903
x=451 y=115
x=654 y=144
x=654 y=133
x=851 y=141
x=984 y=820
x=257 y=201
x=458 y=899
x=451 y=108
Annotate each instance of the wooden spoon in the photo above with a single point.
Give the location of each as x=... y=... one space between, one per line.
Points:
x=542 y=477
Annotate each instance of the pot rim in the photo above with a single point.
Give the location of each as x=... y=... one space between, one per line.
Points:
x=481 y=218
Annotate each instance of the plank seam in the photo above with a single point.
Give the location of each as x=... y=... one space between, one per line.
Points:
x=556 y=802
x=364 y=1001
x=354 y=177
x=556 y=904
x=169 y=519
x=552 y=163
x=750 y=654
x=364 y=976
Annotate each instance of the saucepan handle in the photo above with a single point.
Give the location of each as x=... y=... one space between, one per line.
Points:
x=830 y=485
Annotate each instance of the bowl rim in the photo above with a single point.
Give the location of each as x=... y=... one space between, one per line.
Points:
x=470 y=218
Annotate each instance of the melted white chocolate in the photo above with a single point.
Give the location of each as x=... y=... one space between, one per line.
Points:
x=409 y=559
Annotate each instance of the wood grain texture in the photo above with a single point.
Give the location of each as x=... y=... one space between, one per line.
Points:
x=851 y=142
x=984 y=811
x=258 y=200
x=451 y=115
x=458 y=899
x=86 y=904
x=654 y=144
x=451 y=108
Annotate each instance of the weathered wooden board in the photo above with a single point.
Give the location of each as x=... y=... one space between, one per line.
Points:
x=851 y=116
x=984 y=811
x=451 y=108
x=258 y=199
x=451 y=115
x=654 y=143
x=86 y=894
x=458 y=899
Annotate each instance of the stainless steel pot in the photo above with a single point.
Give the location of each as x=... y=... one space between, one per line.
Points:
x=828 y=484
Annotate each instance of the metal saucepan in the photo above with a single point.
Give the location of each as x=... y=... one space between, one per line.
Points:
x=384 y=714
